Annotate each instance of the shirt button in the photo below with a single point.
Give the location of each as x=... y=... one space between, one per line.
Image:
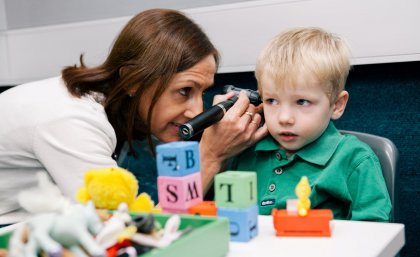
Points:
x=272 y=187
x=278 y=171
x=278 y=156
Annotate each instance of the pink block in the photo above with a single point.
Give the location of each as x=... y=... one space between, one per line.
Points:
x=180 y=193
x=174 y=211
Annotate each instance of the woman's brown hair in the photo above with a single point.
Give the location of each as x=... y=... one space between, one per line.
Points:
x=151 y=48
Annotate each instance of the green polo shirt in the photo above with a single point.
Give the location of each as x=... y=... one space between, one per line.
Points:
x=344 y=173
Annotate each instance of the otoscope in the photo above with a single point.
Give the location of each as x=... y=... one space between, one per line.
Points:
x=215 y=113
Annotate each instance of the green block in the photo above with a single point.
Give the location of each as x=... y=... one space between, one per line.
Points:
x=235 y=189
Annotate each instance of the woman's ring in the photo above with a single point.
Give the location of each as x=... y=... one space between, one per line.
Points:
x=249 y=113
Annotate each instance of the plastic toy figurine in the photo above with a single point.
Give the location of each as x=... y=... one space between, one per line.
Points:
x=170 y=233
x=109 y=187
x=57 y=224
x=303 y=190
x=52 y=232
x=47 y=197
x=119 y=221
x=300 y=220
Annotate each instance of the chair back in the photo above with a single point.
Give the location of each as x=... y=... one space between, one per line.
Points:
x=387 y=154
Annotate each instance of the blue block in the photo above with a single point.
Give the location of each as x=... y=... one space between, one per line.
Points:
x=178 y=159
x=243 y=222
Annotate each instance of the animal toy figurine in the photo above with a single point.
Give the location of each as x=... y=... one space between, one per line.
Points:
x=46 y=197
x=109 y=187
x=74 y=229
x=57 y=224
x=303 y=190
x=118 y=222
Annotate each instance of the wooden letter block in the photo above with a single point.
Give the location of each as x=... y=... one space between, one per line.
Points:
x=180 y=193
x=235 y=189
x=205 y=208
x=178 y=159
x=315 y=223
x=243 y=222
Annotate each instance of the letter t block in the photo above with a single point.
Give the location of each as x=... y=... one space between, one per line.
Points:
x=178 y=159
x=235 y=189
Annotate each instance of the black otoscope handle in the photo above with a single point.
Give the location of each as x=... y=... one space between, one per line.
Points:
x=205 y=119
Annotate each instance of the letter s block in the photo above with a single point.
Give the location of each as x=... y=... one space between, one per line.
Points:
x=235 y=189
x=243 y=223
x=180 y=193
x=177 y=159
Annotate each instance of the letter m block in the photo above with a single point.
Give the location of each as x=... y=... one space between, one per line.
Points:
x=180 y=193
x=235 y=189
x=178 y=159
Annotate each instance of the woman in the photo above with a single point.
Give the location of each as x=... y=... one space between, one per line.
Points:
x=151 y=82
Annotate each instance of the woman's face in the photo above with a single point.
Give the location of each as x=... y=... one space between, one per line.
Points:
x=181 y=101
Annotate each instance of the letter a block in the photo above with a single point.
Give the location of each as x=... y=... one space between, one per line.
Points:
x=178 y=159
x=180 y=193
x=235 y=189
x=243 y=223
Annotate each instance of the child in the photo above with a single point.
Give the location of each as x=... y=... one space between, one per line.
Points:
x=301 y=76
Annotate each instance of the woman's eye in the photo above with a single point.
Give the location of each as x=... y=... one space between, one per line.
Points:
x=185 y=91
x=271 y=101
x=303 y=102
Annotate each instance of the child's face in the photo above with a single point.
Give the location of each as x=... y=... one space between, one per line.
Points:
x=296 y=114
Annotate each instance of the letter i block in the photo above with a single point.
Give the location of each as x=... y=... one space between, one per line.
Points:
x=243 y=222
x=180 y=193
x=235 y=189
x=178 y=159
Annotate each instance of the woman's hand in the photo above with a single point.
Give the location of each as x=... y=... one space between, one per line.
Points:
x=236 y=131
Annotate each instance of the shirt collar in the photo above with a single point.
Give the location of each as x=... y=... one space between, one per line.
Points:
x=317 y=152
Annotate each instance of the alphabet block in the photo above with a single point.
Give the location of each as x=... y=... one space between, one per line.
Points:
x=178 y=159
x=180 y=193
x=243 y=223
x=205 y=208
x=235 y=189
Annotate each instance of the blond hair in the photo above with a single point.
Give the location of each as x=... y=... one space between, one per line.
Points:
x=306 y=52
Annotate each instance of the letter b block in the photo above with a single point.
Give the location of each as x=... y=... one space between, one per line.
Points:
x=235 y=189
x=243 y=223
x=180 y=193
x=178 y=159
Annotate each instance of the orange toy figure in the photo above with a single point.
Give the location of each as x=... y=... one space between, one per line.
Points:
x=306 y=221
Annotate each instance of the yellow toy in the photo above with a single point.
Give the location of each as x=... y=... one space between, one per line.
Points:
x=303 y=190
x=109 y=187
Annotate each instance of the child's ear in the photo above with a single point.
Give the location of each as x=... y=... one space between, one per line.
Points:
x=340 y=105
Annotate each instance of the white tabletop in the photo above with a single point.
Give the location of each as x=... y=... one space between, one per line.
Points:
x=349 y=238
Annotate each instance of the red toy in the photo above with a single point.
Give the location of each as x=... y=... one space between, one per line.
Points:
x=301 y=220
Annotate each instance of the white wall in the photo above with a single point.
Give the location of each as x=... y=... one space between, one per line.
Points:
x=3 y=23
x=32 y=13
x=377 y=30
x=4 y=72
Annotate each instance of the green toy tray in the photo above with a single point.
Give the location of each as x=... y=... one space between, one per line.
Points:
x=209 y=238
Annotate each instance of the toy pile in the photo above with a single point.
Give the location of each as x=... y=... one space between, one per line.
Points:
x=62 y=228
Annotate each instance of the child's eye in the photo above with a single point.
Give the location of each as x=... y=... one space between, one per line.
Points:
x=185 y=91
x=303 y=102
